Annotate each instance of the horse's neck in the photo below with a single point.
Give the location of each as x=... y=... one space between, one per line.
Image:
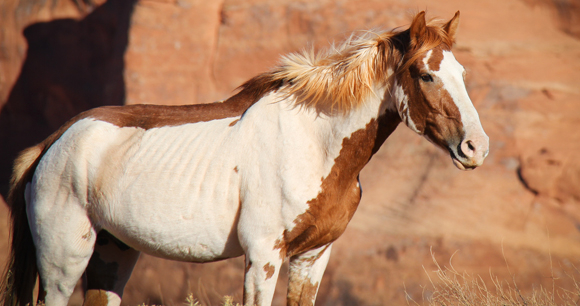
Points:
x=364 y=130
x=377 y=111
x=359 y=132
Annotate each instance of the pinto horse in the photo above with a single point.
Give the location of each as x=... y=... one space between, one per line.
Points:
x=271 y=173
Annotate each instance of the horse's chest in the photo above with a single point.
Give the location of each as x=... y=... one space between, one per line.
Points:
x=324 y=221
x=331 y=210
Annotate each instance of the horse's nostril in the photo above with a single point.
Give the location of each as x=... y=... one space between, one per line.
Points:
x=470 y=145
x=468 y=149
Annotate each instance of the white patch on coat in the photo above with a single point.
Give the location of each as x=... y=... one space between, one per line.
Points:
x=402 y=105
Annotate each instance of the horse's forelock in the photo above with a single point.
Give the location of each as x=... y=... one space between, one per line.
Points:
x=433 y=37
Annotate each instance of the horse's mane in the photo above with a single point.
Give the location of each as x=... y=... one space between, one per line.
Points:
x=343 y=77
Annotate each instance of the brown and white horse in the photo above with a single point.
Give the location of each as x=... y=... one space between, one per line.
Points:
x=271 y=173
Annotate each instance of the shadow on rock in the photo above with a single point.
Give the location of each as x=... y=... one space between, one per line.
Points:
x=70 y=66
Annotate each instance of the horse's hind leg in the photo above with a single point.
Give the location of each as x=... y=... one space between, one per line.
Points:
x=64 y=240
x=304 y=277
x=108 y=271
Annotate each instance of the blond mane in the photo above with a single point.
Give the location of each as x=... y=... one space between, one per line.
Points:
x=343 y=77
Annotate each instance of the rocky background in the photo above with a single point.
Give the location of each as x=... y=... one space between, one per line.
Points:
x=517 y=216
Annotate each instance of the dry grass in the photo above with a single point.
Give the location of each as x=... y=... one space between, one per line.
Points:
x=190 y=300
x=227 y=301
x=452 y=288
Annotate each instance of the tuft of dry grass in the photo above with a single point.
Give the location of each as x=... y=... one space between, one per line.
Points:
x=191 y=301
x=453 y=288
x=229 y=301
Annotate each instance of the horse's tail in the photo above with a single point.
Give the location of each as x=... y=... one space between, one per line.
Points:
x=19 y=278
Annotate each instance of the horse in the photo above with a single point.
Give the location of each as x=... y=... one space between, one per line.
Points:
x=271 y=173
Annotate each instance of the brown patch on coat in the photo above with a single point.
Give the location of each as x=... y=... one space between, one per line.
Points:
x=153 y=116
x=301 y=293
x=96 y=297
x=269 y=269
x=329 y=213
x=234 y=122
x=445 y=125
x=387 y=123
x=236 y=169
x=435 y=59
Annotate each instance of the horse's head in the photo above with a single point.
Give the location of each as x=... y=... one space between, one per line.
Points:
x=430 y=94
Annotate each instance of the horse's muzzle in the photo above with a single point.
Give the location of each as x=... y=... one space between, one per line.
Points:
x=471 y=152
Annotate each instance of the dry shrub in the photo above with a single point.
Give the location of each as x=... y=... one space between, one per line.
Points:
x=452 y=288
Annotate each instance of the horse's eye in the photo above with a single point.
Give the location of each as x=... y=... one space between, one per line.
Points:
x=426 y=77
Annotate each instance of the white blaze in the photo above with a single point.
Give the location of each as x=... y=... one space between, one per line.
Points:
x=451 y=74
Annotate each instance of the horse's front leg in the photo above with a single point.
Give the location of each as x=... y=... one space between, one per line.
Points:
x=262 y=268
x=304 y=277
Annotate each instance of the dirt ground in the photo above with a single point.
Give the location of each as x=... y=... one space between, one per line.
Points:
x=517 y=216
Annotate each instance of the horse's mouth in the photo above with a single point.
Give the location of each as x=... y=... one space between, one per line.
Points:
x=460 y=165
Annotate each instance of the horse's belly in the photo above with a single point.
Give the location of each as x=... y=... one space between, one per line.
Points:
x=179 y=236
x=191 y=222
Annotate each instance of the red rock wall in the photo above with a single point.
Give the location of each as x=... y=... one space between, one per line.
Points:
x=523 y=60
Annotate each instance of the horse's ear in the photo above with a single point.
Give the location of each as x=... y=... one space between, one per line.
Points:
x=417 y=29
x=451 y=26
